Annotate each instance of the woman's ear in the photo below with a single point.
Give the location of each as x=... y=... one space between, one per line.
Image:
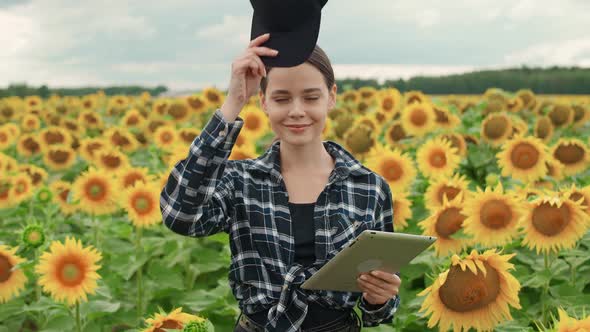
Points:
x=333 y=94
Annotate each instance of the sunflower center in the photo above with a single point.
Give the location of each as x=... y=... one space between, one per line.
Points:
x=543 y=128
x=441 y=116
x=253 y=123
x=64 y=194
x=392 y=170
x=169 y=324
x=34 y=236
x=142 y=204
x=131 y=178
x=560 y=115
x=450 y=192
x=52 y=137
x=111 y=161
x=495 y=214
x=578 y=113
x=212 y=96
x=20 y=187
x=177 y=111
x=524 y=155
x=3 y=137
x=132 y=120
x=362 y=106
x=195 y=103
x=496 y=127
x=4 y=190
x=31 y=145
x=397 y=132
x=438 y=158
x=569 y=154
x=70 y=272
x=5 y=268
x=95 y=190
x=120 y=140
x=464 y=291
x=59 y=156
x=387 y=104
x=449 y=222
x=360 y=140
x=166 y=137
x=549 y=219
x=577 y=196
x=418 y=117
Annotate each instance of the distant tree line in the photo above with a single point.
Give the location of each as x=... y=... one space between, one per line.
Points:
x=553 y=80
x=23 y=90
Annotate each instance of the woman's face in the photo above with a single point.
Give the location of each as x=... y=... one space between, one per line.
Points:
x=297 y=96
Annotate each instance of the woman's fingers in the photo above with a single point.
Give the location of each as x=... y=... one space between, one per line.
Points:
x=259 y=40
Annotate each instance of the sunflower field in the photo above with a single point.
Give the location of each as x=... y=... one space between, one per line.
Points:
x=502 y=180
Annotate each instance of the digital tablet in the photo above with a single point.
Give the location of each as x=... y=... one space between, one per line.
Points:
x=371 y=250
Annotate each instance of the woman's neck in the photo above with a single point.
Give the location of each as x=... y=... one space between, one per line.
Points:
x=308 y=158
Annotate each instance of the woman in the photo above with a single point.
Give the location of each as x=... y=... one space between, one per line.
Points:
x=288 y=211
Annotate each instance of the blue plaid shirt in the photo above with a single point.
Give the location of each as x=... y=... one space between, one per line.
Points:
x=207 y=193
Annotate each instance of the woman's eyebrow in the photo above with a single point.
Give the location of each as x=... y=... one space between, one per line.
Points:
x=281 y=92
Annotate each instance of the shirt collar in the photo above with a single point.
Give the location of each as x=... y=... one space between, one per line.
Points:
x=345 y=164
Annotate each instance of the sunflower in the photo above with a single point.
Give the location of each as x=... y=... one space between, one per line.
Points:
x=402 y=210
x=247 y=151
x=369 y=120
x=188 y=135
x=32 y=102
x=342 y=124
x=59 y=157
x=396 y=167
x=141 y=202
x=443 y=223
x=448 y=187
x=132 y=119
x=179 y=111
x=73 y=127
x=359 y=140
x=33 y=236
x=160 y=106
x=496 y=128
x=543 y=107
x=553 y=222
x=445 y=119
x=7 y=163
x=196 y=103
x=89 y=148
x=528 y=98
x=561 y=115
x=89 y=103
x=437 y=158
x=351 y=96
x=213 y=96
x=492 y=216
x=415 y=97
x=573 y=154
x=327 y=131
x=12 y=280
x=61 y=191
x=90 y=120
x=570 y=324
x=68 y=271
x=458 y=142
x=523 y=158
x=165 y=137
x=121 y=138
x=544 y=128
x=96 y=192
x=6 y=184
x=475 y=292
x=554 y=168
x=389 y=101
x=54 y=136
x=6 y=138
x=418 y=119
x=579 y=194
x=37 y=174
x=22 y=188
x=581 y=115
x=395 y=133
x=129 y=176
x=470 y=139
x=256 y=123
x=112 y=159
x=176 y=320
x=514 y=105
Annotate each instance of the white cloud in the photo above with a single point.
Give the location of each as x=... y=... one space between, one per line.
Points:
x=231 y=30
x=565 y=52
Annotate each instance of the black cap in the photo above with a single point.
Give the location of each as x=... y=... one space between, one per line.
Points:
x=294 y=26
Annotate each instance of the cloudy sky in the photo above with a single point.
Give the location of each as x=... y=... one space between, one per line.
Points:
x=190 y=44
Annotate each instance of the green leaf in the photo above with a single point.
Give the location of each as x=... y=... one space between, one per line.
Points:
x=98 y=308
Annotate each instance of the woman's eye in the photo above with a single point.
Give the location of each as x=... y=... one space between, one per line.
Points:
x=280 y=100
x=313 y=98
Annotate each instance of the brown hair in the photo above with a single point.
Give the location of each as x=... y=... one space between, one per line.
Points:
x=319 y=59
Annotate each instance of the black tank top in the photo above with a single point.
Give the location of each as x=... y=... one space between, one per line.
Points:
x=304 y=234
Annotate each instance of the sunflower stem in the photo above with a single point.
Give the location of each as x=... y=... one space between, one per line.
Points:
x=139 y=274
x=95 y=226
x=37 y=286
x=78 y=324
